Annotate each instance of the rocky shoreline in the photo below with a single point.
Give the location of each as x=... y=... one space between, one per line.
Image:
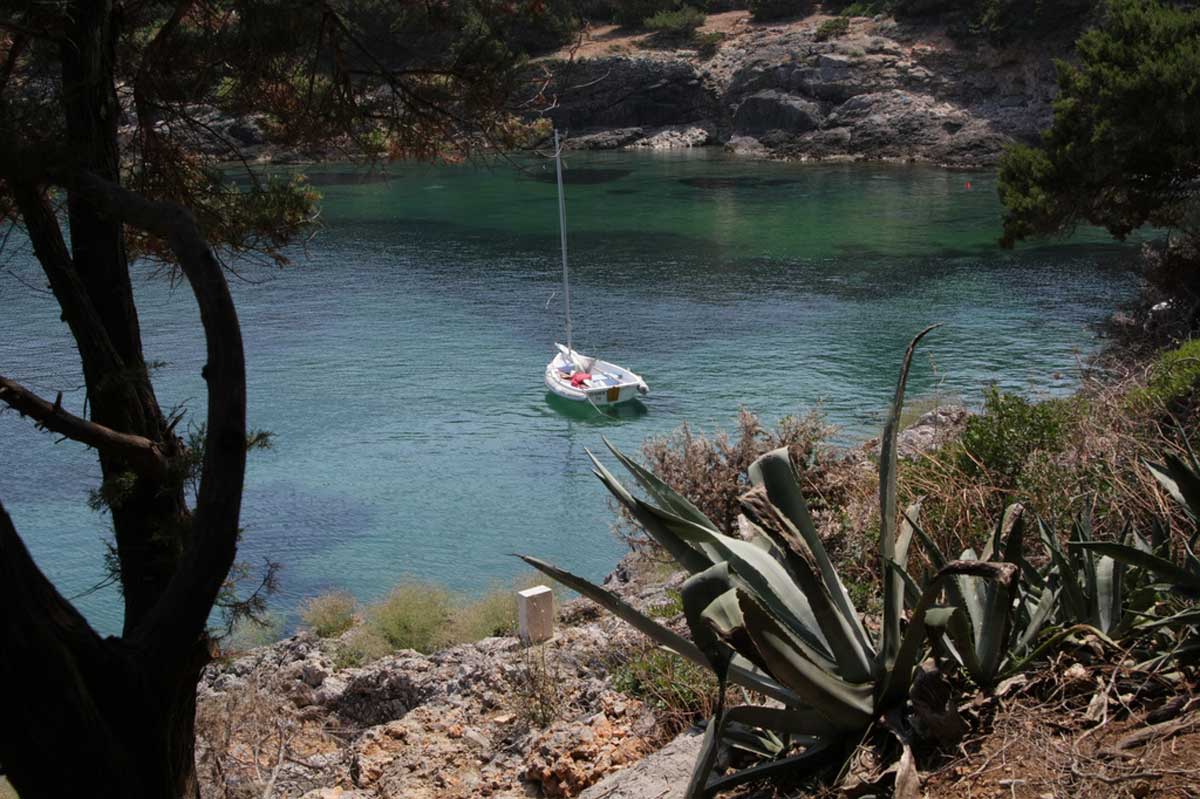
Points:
x=492 y=718
x=884 y=90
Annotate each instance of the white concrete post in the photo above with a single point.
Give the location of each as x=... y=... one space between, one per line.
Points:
x=535 y=613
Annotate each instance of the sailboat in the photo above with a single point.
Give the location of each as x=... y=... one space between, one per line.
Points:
x=571 y=374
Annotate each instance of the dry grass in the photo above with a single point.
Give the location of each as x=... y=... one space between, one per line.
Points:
x=711 y=470
x=246 y=739
x=329 y=615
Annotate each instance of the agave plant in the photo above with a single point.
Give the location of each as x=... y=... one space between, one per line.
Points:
x=1094 y=590
x=997 y=620
x=767 y=610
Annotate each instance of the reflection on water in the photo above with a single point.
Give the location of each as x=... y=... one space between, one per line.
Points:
x=399 y=362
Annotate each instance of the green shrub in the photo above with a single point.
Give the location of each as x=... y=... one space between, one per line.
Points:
x=676 y=25
x=329 y=615
x=251 y=633
x=1173 y=376
x=997 y=443
x=707 y=44
x=359 y=647
x=634 y=12
x=413 y=616
x=779 y=9
x=494 y=613
x=832 y=28
x=680 y=691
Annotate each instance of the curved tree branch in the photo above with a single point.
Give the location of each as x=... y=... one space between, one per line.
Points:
x=179 y=617
x=141 y=453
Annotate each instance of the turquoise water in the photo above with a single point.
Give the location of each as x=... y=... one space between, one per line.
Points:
x=399 y=359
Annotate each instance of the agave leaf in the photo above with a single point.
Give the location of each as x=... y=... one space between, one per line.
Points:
x=993 y=636
x=1108 y=593
x=763 y=743
x=741 y=671
x=697 y=787
x=888 y=510
x=1047 y=599
x=812 y=756
x=666 y=496
x=802 y=721
x=1186 y=617
x=894 y=589
x=846 y=705
x=692 y=558
x=1161 y=567
x=774 y=473
x=894 y=686
x=1180 y=481
x=853 y=661
x=1076 y=603
x=762 y=575
x=712 y=612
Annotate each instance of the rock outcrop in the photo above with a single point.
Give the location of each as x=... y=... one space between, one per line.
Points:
x=492 y=718
x=885 y=90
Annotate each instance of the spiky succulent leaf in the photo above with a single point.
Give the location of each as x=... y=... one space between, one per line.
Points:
x=846 y=705
x=1183 y=578
x=741 y=671
x=774 y=474
x=763 y=576
x=692 y=558
x=854 y=663
x=1180 y=481
x=666 y=496
x=888 y=509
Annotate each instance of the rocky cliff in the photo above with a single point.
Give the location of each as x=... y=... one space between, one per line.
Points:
x=883 y=90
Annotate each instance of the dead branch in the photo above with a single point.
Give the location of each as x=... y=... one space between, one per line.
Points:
x=142 y=454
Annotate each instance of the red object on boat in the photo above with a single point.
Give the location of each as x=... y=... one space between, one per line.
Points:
x=578 y=378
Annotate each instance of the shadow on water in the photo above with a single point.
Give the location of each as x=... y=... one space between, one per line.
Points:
x=594 y=415
x=582 y=176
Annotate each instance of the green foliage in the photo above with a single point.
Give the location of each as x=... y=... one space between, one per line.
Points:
x=493 y=614
x=251 y=632
x=675 y=25
x=413 y=616
x=707 y=44
x=1174 y=375
x=765 y=10
x=1124 y=148
x=329 y=615
x=997 y=443
x=832 y=28
x=865 y=8
x=634 y=12
x=767 y=610
x=680 y=691
x=360 y=646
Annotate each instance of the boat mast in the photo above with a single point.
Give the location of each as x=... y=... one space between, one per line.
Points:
x=562 y=234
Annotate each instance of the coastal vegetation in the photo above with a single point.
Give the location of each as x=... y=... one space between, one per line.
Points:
x=767 y=611
x=1100 y=163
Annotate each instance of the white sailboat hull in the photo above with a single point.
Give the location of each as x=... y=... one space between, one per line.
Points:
x=609 y=383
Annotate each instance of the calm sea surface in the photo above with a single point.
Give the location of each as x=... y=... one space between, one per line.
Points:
x=399 y=360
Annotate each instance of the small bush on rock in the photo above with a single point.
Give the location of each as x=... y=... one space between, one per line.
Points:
x=329 y=615
x=832 y=28
x=413 y=616
x=361 y=646
x=677 y=25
